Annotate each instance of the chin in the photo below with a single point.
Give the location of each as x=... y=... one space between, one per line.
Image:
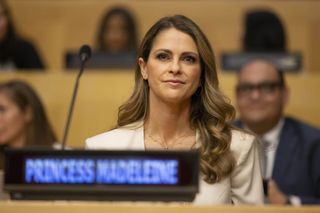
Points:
x=173 y=100
x=4 y=139
x=255 y=114
x=255 y=119
x=2 y=142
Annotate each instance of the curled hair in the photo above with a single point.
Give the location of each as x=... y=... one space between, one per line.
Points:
x=210 y=109
x=39 y=131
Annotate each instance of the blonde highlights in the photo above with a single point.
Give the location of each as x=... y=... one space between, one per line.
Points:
x=210 y=109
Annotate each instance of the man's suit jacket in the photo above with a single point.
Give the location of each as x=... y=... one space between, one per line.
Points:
x=242 y=186
x=297 y=161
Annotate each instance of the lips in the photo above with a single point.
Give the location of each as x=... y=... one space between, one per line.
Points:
x=174 y=81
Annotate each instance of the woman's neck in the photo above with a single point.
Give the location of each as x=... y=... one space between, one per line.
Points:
x=168 y=120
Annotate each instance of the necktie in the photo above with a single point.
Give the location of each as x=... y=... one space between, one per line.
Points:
x=266 y=148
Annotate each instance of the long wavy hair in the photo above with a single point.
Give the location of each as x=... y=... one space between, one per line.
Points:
x=39 y=130
x=211 y=111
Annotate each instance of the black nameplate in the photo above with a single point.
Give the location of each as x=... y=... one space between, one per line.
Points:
x=285 y=61
x=101 y=175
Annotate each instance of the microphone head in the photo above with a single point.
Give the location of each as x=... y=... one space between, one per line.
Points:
x=85 y=53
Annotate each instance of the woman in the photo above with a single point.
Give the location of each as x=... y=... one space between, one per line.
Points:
x=23 y=121
x=15 y=52
x=177 y=104
x=117 y=32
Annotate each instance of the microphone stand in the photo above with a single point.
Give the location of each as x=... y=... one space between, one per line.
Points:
x=75 y=91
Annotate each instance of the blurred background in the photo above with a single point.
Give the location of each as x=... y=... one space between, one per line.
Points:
x=62 y=26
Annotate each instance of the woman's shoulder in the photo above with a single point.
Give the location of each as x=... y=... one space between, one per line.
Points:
x=24 y=44
x=118 y=138
x=106 y=139
x=242 y=143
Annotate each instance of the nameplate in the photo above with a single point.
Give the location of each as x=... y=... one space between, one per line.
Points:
x=290 y=62
x=101 y=175
x=101 y=171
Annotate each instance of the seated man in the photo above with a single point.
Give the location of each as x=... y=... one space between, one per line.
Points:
x=290 y=148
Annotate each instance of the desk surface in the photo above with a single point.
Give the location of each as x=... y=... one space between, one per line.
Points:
x=96 y=207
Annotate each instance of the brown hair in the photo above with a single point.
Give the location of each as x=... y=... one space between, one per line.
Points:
x=130 y=27
x=39 y=131
x=8 y=41
x=210 y=110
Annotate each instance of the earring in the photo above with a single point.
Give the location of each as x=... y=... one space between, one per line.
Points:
x=144 y=76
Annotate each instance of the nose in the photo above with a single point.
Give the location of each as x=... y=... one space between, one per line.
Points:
x=255 y=94
x=175 y=67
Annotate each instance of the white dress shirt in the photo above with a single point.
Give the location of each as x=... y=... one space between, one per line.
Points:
x=269 y=145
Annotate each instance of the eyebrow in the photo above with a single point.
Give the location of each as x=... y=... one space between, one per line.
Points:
x=183 y=53
x=257 y=83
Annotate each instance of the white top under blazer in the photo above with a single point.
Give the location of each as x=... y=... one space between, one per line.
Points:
x=242 y=186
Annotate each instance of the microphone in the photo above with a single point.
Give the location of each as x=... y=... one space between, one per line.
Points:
x=84 y=55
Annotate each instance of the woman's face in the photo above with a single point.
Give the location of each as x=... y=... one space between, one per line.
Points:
x=13 y=122
x=116 y=35
x=3 y=23
x=173 y=68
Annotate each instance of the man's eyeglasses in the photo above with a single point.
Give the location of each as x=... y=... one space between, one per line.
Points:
x=267 y=87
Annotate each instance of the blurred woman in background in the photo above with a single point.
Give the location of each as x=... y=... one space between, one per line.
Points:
x=23 y=120
x=117 y=32
x=116 y=42
x=15 y=52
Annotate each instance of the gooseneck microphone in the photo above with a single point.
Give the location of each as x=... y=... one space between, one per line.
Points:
x=84 y=55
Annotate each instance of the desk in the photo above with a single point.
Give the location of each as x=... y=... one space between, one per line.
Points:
x=107 y=207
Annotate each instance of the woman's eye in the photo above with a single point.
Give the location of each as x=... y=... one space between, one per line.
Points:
x=190 y=59
x=163 y=56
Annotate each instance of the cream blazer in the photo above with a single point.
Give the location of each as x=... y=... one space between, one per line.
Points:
x=242 y=186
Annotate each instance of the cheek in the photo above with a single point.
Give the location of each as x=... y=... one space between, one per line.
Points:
x=123 y=37
x=14 y=122
x=156 y=70
x=3 y=27
x=3 y=22
x=195 y=75
x=109 y=39
x=275 y=105
x=242 y=103
x=274 y=102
